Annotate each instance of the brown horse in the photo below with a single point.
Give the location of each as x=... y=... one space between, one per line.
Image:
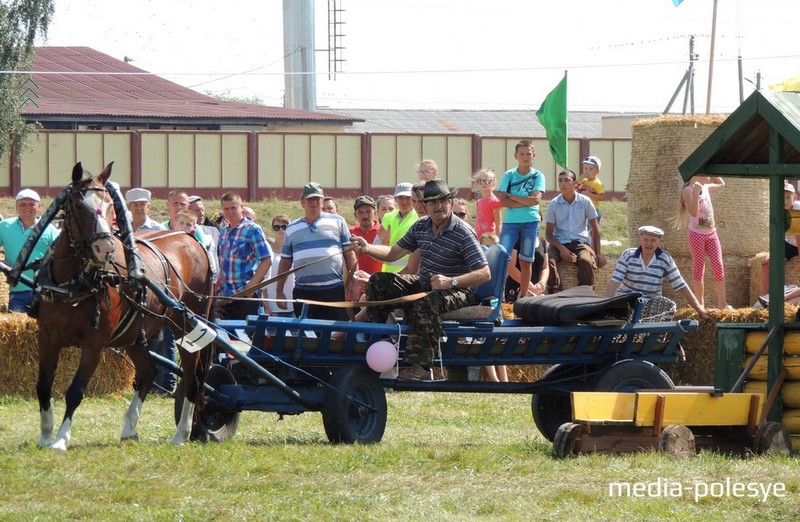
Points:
x=102 y=309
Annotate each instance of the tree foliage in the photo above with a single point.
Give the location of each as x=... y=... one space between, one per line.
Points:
x=21 y=22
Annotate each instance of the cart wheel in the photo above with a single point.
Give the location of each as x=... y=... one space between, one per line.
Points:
x=631 y=375
x=772 y=438
x=551 y=410
x=213 y=423
x=567 y=438
x=345 y=420
x=678 y=441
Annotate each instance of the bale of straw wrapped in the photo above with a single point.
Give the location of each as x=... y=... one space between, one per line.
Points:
x=791 y=267
x=737 y=281
x=19 y=363
x=659 y=145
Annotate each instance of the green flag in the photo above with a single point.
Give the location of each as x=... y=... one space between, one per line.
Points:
x=553 y=117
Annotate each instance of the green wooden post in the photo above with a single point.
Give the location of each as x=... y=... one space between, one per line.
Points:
x=777 y=222
x=730 y=355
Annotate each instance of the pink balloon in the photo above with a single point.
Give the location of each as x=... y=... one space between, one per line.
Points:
x=381 y=356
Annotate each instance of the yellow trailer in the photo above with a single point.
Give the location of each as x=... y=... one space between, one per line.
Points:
x=678 y=422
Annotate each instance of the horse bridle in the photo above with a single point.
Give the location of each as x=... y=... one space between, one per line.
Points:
x=83 y=244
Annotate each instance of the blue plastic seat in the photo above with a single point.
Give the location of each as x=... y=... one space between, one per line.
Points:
x=488 y=294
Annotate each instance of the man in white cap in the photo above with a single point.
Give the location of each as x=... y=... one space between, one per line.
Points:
x=645 y=268
x=398 y=222
x=13 y=234
x=138 y=201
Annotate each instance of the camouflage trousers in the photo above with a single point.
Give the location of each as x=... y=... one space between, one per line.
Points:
x=425 y=324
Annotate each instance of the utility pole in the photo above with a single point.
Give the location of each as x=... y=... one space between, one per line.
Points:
x=687 y=81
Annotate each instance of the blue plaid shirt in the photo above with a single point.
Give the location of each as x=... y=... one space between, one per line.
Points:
x=240 y=249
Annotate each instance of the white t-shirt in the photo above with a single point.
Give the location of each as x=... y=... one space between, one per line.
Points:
x=272 y=306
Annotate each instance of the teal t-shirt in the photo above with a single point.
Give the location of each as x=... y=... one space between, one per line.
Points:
x=516 y=184
x=12 y=239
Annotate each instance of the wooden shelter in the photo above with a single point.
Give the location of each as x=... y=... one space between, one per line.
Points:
x=759 y=139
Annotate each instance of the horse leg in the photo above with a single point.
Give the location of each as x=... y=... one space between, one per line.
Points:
x=192 y=383
x=90 y=358
x=48 y=361
x=145 y=372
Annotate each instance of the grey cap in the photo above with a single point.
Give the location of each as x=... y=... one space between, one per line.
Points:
x=312 y=190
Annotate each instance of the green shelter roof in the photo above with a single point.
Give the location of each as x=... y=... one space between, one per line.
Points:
x=761 y=138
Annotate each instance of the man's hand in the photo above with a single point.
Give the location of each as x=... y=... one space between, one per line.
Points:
x=281 y=296
x=440 y=282
x=601 y=261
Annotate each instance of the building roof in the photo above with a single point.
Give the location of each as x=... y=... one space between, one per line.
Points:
x=742 y=144
x=481 y=122
x=100 y=87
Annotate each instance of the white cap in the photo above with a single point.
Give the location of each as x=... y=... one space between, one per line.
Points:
x=653 y=231
x=137 y=194
x=116 y=186
x=403 y=189
x=28 y=194
x=192 y=199
x=788 y=187
x=593 y=160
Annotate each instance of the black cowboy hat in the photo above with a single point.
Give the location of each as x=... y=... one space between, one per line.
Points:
x=436 y=189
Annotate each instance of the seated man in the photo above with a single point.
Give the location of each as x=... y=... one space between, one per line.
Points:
x=451 y=262
x=568 y=219
x=644 y=270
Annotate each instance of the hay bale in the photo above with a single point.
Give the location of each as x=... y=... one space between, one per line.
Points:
x=791 y=267
x=569 y=274
x=19 y=363
x=701 y=345
x=737 y=281
x=658 y=147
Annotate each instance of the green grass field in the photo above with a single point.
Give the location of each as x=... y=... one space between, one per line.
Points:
x=443 y=457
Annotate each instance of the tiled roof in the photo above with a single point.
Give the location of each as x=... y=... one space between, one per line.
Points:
x=131 y=92
x=481 y=122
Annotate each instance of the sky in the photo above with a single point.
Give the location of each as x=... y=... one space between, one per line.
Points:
x=620 y=55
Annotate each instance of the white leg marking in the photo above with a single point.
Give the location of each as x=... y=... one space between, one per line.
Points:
x=184 y=428
x=131 y=419
x=62 y=438
x=46 y=426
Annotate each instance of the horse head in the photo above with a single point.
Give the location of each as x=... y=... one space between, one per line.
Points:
x=88 y=214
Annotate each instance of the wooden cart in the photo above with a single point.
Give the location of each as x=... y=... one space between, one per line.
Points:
x=678 y=422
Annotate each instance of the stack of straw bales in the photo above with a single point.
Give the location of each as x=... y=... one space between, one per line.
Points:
x=19 y=363
x=659 y=146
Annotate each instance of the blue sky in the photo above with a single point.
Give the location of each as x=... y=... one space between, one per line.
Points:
x=626 y=55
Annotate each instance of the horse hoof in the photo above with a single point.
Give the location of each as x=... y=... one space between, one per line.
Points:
x=44 y=443
x=60 y=445
x=134 y=437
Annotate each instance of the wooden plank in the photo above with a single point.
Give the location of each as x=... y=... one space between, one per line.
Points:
x=696 y=409
x=602 y=407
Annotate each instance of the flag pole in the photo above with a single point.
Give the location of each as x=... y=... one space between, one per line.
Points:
x=711 y=58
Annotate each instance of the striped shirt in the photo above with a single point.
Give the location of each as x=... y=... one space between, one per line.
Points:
x=635 y=276
x=240 y=250
x=454 y=252
x=309 y=242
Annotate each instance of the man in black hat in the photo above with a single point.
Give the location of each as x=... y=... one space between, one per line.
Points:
x=452 y=262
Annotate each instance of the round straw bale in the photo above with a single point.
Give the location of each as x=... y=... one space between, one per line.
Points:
x=569 y=274
x=658 y=147
x=19 y=363
x=737 y=277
